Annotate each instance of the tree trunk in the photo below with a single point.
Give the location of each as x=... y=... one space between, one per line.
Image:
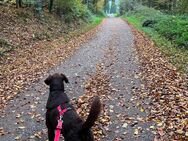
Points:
x=18 y=3
x=51 y=6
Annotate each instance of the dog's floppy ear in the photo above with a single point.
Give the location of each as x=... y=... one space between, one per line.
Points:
x=93 y=114
x=64 y=78
x=48 y=80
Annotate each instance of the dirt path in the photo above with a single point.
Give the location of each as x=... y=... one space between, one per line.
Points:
x=112 y=49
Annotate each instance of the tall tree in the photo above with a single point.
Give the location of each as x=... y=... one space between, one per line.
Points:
x=18 y=3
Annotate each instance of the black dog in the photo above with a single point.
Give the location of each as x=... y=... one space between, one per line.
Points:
x=74 y=128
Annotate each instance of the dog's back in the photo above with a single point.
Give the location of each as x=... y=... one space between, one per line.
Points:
x=74 y=128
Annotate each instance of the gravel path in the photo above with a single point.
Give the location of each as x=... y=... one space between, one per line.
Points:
x=112 y=46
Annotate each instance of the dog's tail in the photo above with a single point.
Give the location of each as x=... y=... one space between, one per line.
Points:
x=93 y=114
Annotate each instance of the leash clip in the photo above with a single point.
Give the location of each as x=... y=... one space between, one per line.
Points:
x=59 y=125
x=61 y=118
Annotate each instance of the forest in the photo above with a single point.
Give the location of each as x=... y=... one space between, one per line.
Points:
x=130 y=57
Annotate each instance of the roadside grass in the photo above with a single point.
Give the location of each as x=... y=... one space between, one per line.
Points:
x=177 y=56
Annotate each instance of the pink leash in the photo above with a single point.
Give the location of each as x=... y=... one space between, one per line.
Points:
x=60 y=123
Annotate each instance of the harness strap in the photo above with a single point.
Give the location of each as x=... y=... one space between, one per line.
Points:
x=61 y=112
x=60 y=122
x=58 y=130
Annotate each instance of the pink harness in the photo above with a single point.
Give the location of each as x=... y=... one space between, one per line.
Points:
x=60 y=122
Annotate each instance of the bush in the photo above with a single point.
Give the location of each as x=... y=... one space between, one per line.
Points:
x=72 y=10
x=173 y=28
x=100 y=13
x=144 y=13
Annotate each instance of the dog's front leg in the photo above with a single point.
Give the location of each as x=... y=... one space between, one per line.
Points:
x=51 y=134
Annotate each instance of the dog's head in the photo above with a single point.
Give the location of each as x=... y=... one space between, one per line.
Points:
x=56 y=81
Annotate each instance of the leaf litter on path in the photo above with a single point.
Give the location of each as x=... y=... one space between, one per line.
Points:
x=26 y=65
x=97 y=85
x=165 y=87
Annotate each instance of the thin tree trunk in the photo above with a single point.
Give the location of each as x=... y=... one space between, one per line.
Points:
x=18 y=3
x=51 y=6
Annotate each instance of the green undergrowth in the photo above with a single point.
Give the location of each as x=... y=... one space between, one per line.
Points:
x=95 y=20
x=177 y=54
x=172 y=27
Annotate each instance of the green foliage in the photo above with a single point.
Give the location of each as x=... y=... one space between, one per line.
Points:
x=72 y=10
x=67 y=10
x=95 y=20
x=100 y=13
x=168 y=6
x=125 y=6
x=145 y=13
x=173 y=28
x=96 y=5
x=29 y=2
x=183 y=6
x=170 y=33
